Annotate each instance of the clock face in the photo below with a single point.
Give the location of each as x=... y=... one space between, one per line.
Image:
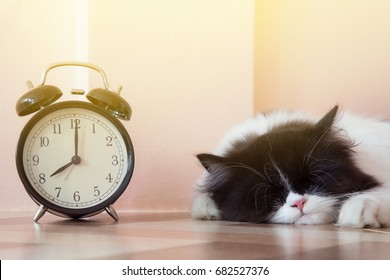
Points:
x=75 y=158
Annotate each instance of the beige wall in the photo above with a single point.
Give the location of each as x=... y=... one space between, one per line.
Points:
x=186 y=68
x=31 y=37
x=311 y=55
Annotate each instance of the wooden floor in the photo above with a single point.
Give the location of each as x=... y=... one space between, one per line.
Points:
x=176 y=236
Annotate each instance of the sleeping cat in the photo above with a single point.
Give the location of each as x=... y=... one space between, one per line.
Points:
x=286 y=167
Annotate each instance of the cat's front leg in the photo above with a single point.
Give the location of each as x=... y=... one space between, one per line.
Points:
x=359 y=211
x=204 y=208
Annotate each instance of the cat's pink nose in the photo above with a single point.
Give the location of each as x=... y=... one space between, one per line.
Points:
x=300 y=203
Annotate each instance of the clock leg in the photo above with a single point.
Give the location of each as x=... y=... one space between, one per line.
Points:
x=41 y=211
x=111 y=211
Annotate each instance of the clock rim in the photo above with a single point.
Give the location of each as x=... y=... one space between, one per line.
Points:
x=61 y=210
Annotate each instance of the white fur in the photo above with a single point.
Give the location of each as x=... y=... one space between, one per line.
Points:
x=317 y=210
x=371 y=208
x=372 y=137
x=204 y=208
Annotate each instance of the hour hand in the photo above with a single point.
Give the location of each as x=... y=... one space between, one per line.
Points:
x=61 y=169
x=75 y=160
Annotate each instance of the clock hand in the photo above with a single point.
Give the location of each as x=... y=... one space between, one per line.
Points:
x=76 y=140
x=75 y=160
x=61 y=169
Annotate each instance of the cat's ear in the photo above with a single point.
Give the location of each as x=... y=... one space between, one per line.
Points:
x=327 y=121
x=211 y=162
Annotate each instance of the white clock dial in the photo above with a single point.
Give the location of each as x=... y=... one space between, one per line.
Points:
x=76 y=158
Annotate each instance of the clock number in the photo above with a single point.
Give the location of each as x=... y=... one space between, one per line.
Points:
x=109 y=141
x=44 y=141
x=76 y=196
x=115 y=160
x=57 y=128
x=109 y=177
x=58 y=191
x=42 y=178
x=93 y=128
x=96 y=191
x=75 y=123
x=35 y=160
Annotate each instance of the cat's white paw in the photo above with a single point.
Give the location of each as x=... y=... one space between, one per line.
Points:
x=359 y=212
x=204 y=208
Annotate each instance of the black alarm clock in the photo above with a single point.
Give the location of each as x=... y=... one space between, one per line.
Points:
x=74 y=158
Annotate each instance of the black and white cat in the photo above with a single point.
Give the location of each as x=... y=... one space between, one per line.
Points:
x=288 y=167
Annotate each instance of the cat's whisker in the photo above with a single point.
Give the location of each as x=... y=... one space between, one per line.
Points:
x=264 y=194
x=316 y=190
x=257 y=186
x=257 y=189
x=308 y=156
x=282 y=176
x=319 y=177
x=267 y=168
x=317 y=161
x=326 y=173
x=242 y=165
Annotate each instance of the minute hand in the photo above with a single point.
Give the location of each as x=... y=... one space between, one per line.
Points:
x=75 y=159
x=76 y=141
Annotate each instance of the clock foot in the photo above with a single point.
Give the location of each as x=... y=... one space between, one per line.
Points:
x=111 y=211
x=41 y=211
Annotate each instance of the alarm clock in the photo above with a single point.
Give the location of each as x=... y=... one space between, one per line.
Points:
x=74 y=158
